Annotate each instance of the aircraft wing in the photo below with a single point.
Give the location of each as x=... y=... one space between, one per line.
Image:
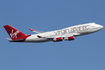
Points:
x=36 y=31
x=63 y=36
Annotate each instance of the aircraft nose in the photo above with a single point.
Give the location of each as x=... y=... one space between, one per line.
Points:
x=101 y=26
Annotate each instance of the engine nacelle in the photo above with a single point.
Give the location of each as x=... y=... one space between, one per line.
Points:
x=57 y=39
x=69 y=38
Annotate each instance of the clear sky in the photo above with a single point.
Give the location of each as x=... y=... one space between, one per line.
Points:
x=84 y=53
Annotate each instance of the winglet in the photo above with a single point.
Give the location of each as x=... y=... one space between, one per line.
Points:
x=36 y=31
x=32 y=29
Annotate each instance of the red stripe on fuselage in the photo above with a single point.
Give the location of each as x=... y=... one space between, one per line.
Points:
x=20 y=39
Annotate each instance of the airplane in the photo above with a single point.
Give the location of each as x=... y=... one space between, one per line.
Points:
x=67 y=34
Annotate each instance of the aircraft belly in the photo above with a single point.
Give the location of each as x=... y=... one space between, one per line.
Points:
x=37 y=40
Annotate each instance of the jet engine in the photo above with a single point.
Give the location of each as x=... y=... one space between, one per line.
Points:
x=57 y=39
x=69 y=38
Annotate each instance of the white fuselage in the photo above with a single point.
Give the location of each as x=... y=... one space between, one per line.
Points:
x=77 y=30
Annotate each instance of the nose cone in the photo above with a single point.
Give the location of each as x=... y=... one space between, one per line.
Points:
x=101 y=26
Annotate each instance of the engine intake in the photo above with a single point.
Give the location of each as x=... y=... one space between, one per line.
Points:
x=57 y=39
x=69 y=38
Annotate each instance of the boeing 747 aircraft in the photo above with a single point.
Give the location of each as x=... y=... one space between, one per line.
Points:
x=68 y=33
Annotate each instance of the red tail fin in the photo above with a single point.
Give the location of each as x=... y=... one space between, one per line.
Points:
x=13 y=33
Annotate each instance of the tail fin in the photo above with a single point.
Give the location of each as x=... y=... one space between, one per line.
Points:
x=13 y=33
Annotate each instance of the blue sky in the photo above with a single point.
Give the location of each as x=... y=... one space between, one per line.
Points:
x=84 y=53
